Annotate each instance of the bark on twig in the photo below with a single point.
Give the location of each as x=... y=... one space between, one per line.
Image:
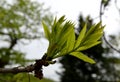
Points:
x=29 y=68
x=37 y=68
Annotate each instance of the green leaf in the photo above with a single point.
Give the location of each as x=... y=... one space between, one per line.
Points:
x=93 y=29
x=71 y=40
x=82 y=57
x=46 y=30
x=57 y=25
x=66 y=43
x=81 y=36
x=93 y=37
x=60 y=37
x=64 y=36
x=65 y=33
x=90 y=31
x=88 y=45
x=98 y=25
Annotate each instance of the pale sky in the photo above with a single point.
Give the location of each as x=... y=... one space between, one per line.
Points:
x=72 y=9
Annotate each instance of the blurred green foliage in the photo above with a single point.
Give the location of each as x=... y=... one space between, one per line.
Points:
x=24 y=77
x=20 y=21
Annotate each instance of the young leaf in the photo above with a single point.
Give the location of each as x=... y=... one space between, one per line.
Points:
x=81 y=36
x=93 y=37
x=56 y=27
x=60 y=36
x=91 y=30
x=46 y=30
x=71 y=40
x=87 y=46
x=64 y=36
x=67 y=40
x=82 y=57
x=94 y=28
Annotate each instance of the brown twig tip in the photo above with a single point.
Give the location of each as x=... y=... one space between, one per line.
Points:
x=38 y=69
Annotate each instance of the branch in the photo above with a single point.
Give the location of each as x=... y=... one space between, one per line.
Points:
x=29 y=68
x=2 y=33
x=109 y=44
x=37 y=68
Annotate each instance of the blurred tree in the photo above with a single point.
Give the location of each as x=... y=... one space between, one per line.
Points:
x=20 y=21
x=104 y=70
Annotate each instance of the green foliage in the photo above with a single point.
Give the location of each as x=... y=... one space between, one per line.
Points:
x=12 y=56
x=24 y=77
x=21 y=19
x=82 y=57
x=19 y=24
x=62 y=40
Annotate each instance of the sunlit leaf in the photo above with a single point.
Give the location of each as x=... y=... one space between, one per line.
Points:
x=93 y=28
x=46 y=30
x=93 y=37
x=65 y=32
x=71 y=40
x=88 y=45
x=60 y=36
x=81 y=36
x=57 y=25
x=82 y=57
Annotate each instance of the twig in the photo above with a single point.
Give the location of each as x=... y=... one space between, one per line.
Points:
x=37 y=68
x=109 y=44
x=29 y=68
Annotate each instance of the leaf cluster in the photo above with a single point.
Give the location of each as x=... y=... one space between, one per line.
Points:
x=62 y=39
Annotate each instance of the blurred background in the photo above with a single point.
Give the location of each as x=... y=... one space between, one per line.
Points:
x=22 y=39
